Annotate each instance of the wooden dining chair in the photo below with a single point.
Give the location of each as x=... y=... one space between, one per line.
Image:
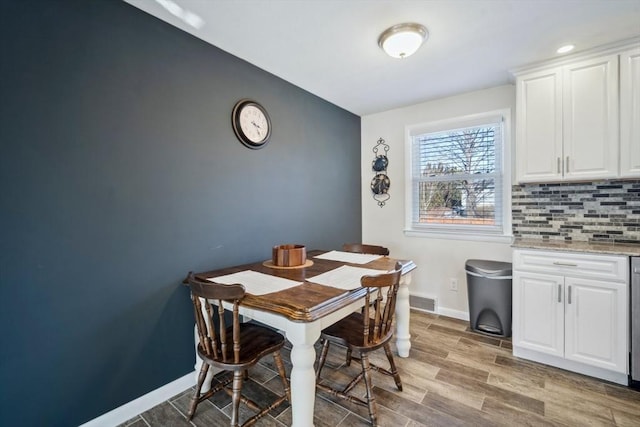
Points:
x=365 y=249
x=362 y=333
x=361 y=248
x=235 y=348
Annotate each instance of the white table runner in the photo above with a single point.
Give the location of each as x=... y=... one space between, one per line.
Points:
x=350 y=257
x=256 y=283
x=345 y=277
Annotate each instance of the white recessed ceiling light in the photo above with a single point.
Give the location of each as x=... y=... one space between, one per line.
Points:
x=402 y=40
x=566 y=48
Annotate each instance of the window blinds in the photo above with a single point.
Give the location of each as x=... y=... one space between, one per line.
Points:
x=457 y=176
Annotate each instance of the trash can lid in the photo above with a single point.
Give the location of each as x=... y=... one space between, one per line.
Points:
x=488 y=268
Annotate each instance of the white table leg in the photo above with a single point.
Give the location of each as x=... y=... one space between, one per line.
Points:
x=303 y=377
x=403 y=337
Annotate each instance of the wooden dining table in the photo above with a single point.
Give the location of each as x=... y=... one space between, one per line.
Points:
x=302 y=311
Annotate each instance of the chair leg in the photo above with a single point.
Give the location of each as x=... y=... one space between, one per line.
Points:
x=371 y=400
x=283 y=374
x=196 y=396
x=394 y=370
x=323 y=358
x=348 y=362
x=238 y=377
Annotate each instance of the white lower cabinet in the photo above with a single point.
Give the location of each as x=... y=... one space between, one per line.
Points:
x=595 y=323
x=538 y=317
x=571 y=311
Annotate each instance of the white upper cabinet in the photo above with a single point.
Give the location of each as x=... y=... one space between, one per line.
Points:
x=567 y=122
x=590 y=119
x=630 y=113
x=539 y=126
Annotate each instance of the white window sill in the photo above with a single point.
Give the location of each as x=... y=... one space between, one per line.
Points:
x=476 y=237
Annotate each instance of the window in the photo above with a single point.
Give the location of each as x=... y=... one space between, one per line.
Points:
x=458 y=183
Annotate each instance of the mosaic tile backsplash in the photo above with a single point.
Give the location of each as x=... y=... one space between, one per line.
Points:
x=600 y=211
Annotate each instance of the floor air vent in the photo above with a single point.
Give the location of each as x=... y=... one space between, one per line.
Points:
x=422 y=303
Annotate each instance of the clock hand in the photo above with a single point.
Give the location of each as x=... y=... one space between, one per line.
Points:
x=255 y=124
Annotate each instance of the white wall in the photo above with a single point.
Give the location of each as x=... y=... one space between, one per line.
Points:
x=438 y=260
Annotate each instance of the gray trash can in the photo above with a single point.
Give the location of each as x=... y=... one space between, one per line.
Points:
x=489 y=291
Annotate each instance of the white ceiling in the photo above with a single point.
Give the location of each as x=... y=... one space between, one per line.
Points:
x=329 y=47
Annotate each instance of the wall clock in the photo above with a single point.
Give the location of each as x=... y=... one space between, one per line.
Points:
x=251 y=123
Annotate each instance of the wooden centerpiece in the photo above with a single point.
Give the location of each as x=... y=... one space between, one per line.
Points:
x=289 y=255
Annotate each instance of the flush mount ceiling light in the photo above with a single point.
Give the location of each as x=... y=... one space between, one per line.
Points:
x=566 y=48
x=402 y=40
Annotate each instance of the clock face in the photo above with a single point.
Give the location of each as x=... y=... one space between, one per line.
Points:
x=251 y=123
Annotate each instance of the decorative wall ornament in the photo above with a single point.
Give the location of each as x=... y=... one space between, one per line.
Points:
x=380 y=183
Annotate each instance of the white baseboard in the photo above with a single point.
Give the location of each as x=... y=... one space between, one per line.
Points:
x=143 y=403
x=456 y=314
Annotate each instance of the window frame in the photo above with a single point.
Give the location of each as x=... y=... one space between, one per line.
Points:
x=461 y=231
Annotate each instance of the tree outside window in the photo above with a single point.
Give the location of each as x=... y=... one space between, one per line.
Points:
x=457 y=176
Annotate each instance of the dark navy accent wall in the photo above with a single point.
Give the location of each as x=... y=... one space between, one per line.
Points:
x=119 y=173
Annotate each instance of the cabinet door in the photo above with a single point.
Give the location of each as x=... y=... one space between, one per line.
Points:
x=539 y=126
x=538 y=312
x=596 y=323
x=630 y=113
x=590 y=119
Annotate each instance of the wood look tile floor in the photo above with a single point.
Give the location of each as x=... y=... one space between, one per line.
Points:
x=453 y=377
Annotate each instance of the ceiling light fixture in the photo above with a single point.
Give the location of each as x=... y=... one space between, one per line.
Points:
x=565 y=48
x=402 y=40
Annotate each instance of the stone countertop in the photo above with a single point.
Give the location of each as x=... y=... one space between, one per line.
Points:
x=587 y=247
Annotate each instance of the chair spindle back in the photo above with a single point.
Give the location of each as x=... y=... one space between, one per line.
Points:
x=380 y=304
x=214 y=344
